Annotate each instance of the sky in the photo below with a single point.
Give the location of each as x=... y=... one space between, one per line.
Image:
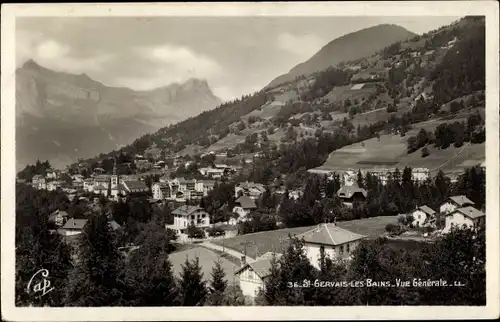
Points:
x=236 y=55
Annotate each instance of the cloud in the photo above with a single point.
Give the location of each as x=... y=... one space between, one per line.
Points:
x=168 y=63
x=56 y=55
x=303 y=46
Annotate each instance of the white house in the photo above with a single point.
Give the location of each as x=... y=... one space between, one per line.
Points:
x=338 y=243
x=53 y=185
x=455 y=202
x=73 y=227
x=422 y=215
x=244 y=205
x=253 y=274
x=38 y=182
x=184 y=215
x=420 y=174
x=468 y=216
x=88 y=185
x=52 y=174
x=161 y=190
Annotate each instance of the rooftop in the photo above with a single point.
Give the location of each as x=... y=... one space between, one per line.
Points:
x=330 y=234
x=428 y=210
x=349 y=191
x=246 y=202
x=135 y=185
x=186 y=210
x=262 y=265
x=462 y=200
x=75 y=224
x=470 y=212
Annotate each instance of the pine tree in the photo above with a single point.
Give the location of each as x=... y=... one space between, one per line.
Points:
x=38 y=248
x=193 y=291
x=96 y=278
x=218 y=285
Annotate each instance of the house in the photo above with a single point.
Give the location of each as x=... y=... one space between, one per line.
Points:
x=185 y=215
x=455 y=202
x=250 y=189
x=468 y=216
x=134 y=186
x=54 y=185
x=73 y=227
x=244 y=205
x=422 y=215
x=253 y=274
x=161 y=190
x=38 y=182
x=58 y=217
x=52 y=174
x=350 y=194
x=114 y=225
x=88 y=185
x=338 y=243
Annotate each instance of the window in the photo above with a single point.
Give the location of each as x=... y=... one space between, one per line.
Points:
x=341 y=249
x=348 y=248
x=203 y=216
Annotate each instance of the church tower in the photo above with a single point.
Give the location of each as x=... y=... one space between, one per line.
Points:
x=114 y=177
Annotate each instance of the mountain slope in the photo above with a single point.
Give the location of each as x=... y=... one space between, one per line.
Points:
x=62 y=117
x=349 y=47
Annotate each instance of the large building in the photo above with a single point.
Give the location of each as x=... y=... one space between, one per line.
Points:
x=39 y=182
x=423 y=215
x=338 y=243
x=351 y=194
x=243 y=206
x=180 y=189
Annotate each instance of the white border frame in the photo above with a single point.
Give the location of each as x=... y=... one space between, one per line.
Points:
x=393 y=8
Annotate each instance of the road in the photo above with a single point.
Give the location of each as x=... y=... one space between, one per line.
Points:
x=226 y=250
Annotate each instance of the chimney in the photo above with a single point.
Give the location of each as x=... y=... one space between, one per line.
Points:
x=243 y=260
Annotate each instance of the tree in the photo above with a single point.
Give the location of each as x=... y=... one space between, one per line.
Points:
x=193 y=291
x=97 y=277
x=425 y=152
x=38 y=248
x=218 y=285
x=194 y=231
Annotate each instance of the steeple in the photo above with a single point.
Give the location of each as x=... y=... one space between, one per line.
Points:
x=114 y=166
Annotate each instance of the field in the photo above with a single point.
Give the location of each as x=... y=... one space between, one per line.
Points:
x=229 y=141
x=340 y=93
x=374 y=116
x=390 y=151
x=207 y=260
x=259 y=243
x=267 y=111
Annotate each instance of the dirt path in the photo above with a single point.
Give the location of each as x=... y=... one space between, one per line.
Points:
x=226 y=250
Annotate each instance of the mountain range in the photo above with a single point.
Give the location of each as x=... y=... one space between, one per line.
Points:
x=62 y=117
x=352 y=46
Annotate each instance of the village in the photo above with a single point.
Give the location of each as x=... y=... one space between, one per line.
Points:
x=185 y=195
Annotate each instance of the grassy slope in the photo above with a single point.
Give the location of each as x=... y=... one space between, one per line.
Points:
x=260 y=243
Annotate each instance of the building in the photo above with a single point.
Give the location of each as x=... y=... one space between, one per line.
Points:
x=420 y=174
x=244 y=205
x=88 y=185
x=134 y=186
x=38 y=182
x=54 y=185
x=160 y=190
x=465 y=216
x=422 y=215
x=58 y=217
x=455 y=202
x=253 y=274
x=185 y=215
x=52 y=174
x=338 y=243
x=250 y=189
x=73 y=227
x=350 y=194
